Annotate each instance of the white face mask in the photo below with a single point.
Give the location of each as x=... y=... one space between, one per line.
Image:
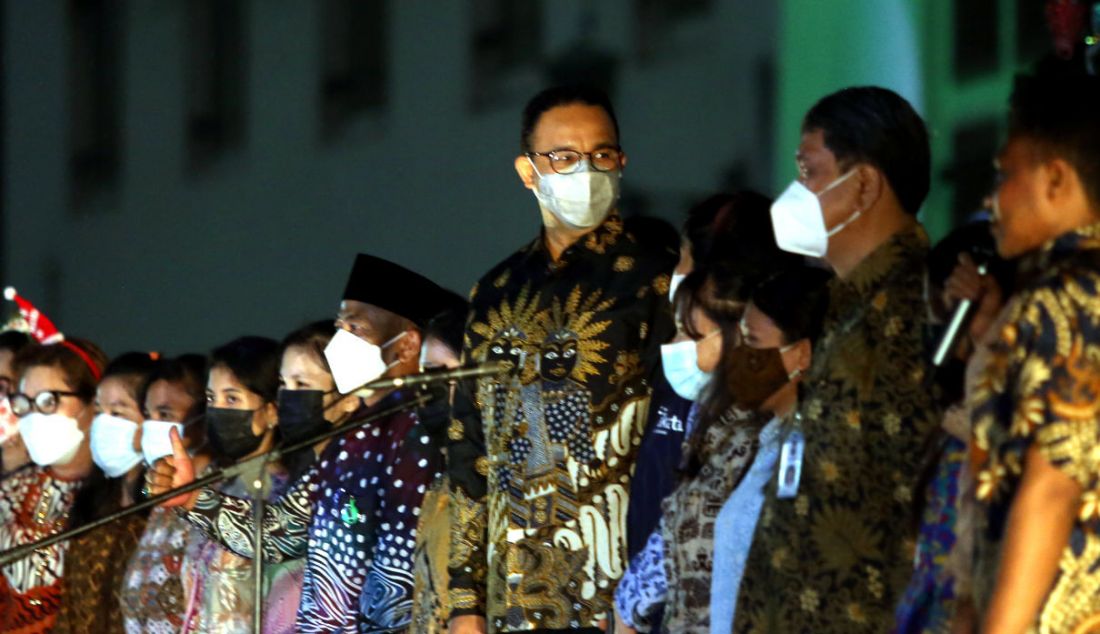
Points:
x=799 y=222
x=113 y=444
x=51 y=439
x=355 y=361
x=581 y=199
x=674 y=284
x=680 y=362
x=155 y=441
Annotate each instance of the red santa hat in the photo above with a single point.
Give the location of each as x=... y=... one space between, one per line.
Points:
x=44 y=331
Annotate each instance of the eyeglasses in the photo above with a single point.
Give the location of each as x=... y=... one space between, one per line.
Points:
x=45 y=402
x=567 y=161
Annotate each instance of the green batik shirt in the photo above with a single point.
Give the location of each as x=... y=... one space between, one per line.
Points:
x=836 y=557
x=539 y=484
x=1041 y=388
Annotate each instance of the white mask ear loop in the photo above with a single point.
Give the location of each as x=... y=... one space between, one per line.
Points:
x=850 y=219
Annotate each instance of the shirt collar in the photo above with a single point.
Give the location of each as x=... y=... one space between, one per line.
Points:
x=892 y=258
x=1080 y=239
x=597 y=241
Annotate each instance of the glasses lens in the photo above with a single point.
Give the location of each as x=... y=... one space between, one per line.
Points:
x=565 y=161
x=20 y=405
x=605 y=160
x=46 y=402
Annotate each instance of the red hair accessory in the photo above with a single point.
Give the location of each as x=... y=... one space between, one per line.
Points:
x=45 y=332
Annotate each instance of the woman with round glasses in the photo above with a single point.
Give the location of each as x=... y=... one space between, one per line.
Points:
x=54 y=402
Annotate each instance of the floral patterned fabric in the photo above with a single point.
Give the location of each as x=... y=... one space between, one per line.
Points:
x=94 y=569
x=33 y=505
x=643 y=590
x=1041 y=389
x=540 y=483
x=837 y=556
x=152 y=589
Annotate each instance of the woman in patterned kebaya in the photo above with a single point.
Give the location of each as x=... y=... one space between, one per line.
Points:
x=152 y=598
x=240 y=423
x=54 y=401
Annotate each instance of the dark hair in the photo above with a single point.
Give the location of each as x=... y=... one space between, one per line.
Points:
x=314 y=336
x=78 y=375
x=732 y=236
x=873 y=125
x=562 y=96
x=134 y=368
x=255 y=363
x=449 y=327
x=698 y=291
x=14 y=340
x=1057 y=107
x=189 y=372
x=796 y=300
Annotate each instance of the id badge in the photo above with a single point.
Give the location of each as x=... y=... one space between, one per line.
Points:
x=790 y=465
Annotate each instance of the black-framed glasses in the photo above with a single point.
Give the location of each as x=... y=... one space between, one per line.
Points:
x=45 y=402
x=567 y=161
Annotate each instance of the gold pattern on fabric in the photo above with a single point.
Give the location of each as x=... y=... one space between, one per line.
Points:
x=1041 y=388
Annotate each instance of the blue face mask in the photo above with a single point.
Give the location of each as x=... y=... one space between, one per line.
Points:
x=680 y=362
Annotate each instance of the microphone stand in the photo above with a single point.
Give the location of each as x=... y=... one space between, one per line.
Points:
x=252 y=471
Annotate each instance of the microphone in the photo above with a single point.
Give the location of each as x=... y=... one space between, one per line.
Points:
x=488 y=368
x=947 y=341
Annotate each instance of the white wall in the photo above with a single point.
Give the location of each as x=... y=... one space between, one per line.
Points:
x=260 y=242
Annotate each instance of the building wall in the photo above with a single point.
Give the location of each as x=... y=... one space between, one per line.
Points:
x=259 y=240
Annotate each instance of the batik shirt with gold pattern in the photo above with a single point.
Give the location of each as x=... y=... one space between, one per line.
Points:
x=836 y=556
x=540 y=483
x=1041 y=388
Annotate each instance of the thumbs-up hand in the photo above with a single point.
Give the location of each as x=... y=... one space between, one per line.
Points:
x=171 y=472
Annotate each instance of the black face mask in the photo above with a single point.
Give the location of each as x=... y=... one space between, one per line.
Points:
x=229 y=432
x=301 y=415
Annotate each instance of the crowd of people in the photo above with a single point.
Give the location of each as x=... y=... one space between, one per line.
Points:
x=734 y=427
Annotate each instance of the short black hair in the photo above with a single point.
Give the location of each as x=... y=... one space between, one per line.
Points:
x=1058 y=107
x=188 y=371
x=14 y=340
x=873 y=125
x=562 y=96
x=449 y=327
x=796 y=300
x=255 y=363
x=134 y=368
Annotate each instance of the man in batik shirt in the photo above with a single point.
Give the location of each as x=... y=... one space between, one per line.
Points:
x=540 y=483
x=834 y=549
x=1036 y=409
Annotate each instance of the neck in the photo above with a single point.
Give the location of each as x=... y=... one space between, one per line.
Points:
x=557 y=236
x=874 y=228
x=128 y=482
x=783 y=402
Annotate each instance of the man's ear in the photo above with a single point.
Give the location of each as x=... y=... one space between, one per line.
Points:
x=408 y=347
x=1059 y=181
x=872 y=184
x=526 y=171
x=805 y=354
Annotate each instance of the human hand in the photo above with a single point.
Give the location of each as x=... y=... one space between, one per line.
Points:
x=172 y=472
